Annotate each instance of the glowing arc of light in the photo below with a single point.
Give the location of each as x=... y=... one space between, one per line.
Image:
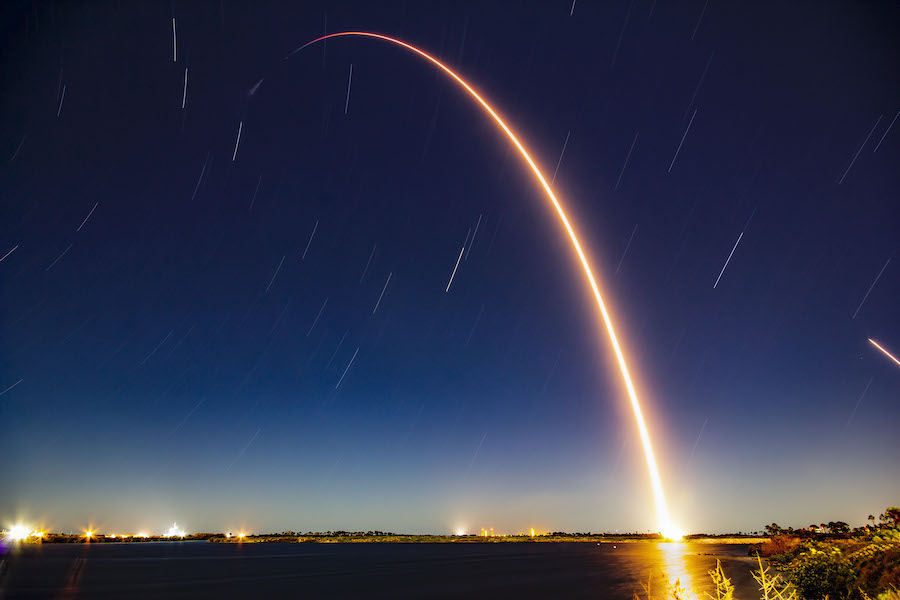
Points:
x=885 y=352
x=665 y=524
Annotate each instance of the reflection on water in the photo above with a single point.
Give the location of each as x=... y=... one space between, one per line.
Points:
x=674 y=566
x=660 y=566
x=516 y=570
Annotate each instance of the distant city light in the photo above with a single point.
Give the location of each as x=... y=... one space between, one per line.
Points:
x=460 y=532
x=89 y=534
x=174 y=531
x=242 y=535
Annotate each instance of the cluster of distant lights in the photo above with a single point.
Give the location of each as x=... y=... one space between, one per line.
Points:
x=22 y=533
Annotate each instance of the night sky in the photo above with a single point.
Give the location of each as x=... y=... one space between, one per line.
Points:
x=171 y=360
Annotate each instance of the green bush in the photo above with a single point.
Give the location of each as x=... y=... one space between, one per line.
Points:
x=819 y=575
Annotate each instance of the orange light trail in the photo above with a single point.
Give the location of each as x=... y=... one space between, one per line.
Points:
x=886 y=353
x=665 y=524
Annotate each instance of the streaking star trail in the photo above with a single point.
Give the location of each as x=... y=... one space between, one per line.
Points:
x=666 y=527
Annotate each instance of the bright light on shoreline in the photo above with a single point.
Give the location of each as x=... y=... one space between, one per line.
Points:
x=18 y=533
x=672 y=534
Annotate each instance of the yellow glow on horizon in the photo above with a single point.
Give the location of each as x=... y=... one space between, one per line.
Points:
x=662 y=512
x=89 y=534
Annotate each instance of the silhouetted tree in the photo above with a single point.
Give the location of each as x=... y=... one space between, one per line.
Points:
x=839 y=527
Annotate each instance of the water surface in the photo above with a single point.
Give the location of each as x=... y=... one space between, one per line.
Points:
x=503 y=570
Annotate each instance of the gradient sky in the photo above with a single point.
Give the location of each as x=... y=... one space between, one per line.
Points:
x=164 y=379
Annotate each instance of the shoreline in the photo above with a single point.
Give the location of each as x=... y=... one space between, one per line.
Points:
x=396 y=539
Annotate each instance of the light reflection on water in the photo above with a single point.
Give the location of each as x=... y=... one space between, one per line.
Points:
x=674 y=566
x=515 y=570
x=660 y=565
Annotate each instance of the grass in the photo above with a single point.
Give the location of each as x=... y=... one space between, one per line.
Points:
x=771 y=586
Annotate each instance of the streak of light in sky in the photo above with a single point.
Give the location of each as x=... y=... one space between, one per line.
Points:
x=349 y=82
x=674 y=158
x=382 y=292
x=238 y=141
x=244 y=450
x=733 y=249
x=87 y=217
x=871 y=287
x=184 y=94
x=696 y=443
x=8 y=253
x=664 y=520
x=50 y=266
x=627 y=158
x=886 y=353
x=700 y=19
x=252 y=200
x=627 y=246
x=200 y=179
x=347 y=369
x=561 y=154
x=158 y=346
x=313 y=326
x=11 y=387
x=877 y=146
x=469 y=249
x=311 y=236
x=863 y=145
x=863 y=395
x=368 y=262
x=452 y=275
x=62 y=98
x=19 y=147
x=340 y=343
x=275 y=275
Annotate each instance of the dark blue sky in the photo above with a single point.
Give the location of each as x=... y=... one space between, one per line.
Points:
x=166 y=376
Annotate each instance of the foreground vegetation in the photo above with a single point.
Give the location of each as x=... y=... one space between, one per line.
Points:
x=828 y=561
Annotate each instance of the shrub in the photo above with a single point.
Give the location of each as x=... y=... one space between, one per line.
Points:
x=819 y=575
x=779 y=544
x=878 y=570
